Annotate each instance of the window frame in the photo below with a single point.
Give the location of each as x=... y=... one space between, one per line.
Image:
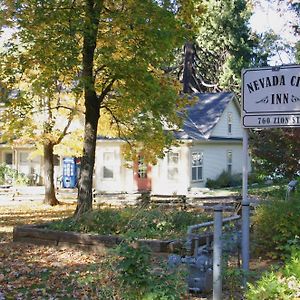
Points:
x=173 y=165
x=198 y=167
x=21 y=161
x=229 y=159
x=229 y=123
x=5 y=156
x=108 y=164
x=142 y=168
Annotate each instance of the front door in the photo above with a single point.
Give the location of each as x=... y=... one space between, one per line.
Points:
x=142 y=175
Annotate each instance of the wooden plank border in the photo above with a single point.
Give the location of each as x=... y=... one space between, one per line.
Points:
x=36 y=234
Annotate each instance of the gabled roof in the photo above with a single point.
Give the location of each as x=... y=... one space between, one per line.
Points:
x=200 y=119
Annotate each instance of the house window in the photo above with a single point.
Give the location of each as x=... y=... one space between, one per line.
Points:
x=108 y=161
x=229 y=162
x=23 y=158
x=173 y=159
x=197 y=166
x=142 y=168
x=229 y=122
x=8 y=158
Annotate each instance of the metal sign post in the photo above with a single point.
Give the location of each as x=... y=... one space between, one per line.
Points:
x=270 y=98
x=245 y=210
x=217 y=253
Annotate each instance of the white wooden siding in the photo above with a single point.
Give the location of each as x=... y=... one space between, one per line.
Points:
x=215 y=160
x=221 y=129
x=163 y=185
x=214 y=163
x=122 y=180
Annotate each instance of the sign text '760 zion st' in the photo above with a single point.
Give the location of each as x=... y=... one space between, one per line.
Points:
x=271 y=97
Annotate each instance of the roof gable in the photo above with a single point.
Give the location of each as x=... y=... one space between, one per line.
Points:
x=200 y=119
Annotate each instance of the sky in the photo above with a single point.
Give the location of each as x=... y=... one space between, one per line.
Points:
x=267 y=17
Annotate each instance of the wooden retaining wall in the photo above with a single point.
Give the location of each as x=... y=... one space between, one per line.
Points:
x=36 y=234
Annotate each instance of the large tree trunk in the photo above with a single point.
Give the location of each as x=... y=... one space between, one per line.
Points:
x=92 y=107
x=85 y=186
x=189 y=57
x=50 y=197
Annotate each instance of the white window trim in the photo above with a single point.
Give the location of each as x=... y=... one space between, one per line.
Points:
x=229 y=122
x=228 y=162
x=111 y=166
x=24 y=163
x=191 y=164
x=171 y=165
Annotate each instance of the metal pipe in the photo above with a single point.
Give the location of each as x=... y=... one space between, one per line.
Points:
x=202 y=225
x=245 y=210
x=217 y=254
x=210 y=223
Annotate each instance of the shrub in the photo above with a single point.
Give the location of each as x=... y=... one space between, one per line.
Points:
x=224 y=180
x=133 y=222
x=276 y=227
x=141 y=279
x=11 y=176
x=256 y=178
x=283 y=284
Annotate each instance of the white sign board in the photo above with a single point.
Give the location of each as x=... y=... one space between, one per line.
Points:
x=271 y=97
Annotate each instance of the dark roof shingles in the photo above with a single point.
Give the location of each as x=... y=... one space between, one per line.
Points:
x=201 y=118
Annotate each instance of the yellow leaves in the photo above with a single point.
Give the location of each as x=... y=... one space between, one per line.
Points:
x=122 y=53
x=71 y=145
x=106 y=126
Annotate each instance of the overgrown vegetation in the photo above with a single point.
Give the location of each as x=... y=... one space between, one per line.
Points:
x=11 y=176
x=224 y=180
x=133 y=222
x=133 y=273
x=276 y=231
x=276 y=226
x=141 y=279
x=281 y=284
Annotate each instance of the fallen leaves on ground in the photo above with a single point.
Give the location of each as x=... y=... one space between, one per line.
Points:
x=44 y=272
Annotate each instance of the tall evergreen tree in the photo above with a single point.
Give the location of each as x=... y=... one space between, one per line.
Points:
x=222 y=46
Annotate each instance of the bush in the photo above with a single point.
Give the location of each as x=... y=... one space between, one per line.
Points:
x=283 y=284
x=256 y=178
x=224 y=180
x=11 y=176
x=141 y=279
x=133 y=222
x=276 y=227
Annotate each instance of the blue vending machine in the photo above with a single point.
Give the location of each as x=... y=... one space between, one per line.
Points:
x=69 y=172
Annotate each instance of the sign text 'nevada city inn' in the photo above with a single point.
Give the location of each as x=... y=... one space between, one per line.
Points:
x=271 y=97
